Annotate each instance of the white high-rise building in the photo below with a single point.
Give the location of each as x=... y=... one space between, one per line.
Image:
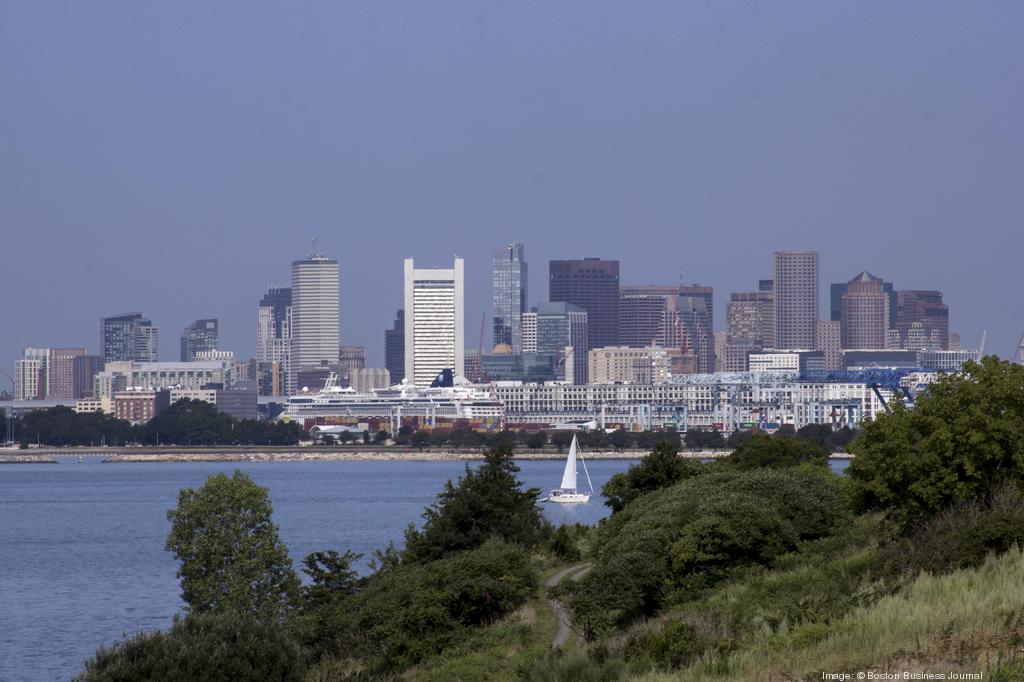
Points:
x=315 y=320
x=433 y=322
x=530 y=332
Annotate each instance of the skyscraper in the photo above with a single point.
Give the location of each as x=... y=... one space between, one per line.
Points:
x=561 y=334
x=926 y=308
x=129 y=337
x=591 y=284
x=750 y=327
x=350 y=358
x=274 y=341
x=836 y=291
x=434 y=323
x=865 y=313
x=315 y=320
x=795 y=277
x=508 y=293
x=696 y=316
x=201 y=335
x=830 y=342
x=85 y=368
x=61 y=373
x=394 y=348
x=647 y=316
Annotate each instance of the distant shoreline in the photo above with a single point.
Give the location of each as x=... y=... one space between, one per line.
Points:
x=314 y=454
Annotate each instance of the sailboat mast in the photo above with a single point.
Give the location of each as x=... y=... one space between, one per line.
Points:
x=585 y=471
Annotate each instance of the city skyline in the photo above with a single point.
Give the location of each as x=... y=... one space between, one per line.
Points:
x=376 y=348
x=905 y=164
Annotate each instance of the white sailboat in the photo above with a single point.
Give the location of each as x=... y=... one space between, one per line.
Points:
x=567 y=492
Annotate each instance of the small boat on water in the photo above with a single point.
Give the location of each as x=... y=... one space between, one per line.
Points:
x=567 y=493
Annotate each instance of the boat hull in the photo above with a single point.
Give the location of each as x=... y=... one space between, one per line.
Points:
x=569 y=498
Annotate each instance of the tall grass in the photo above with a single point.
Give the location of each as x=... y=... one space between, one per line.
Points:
x=963 y=621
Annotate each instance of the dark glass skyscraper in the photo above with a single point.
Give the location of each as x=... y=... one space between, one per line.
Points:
x=394 y=348
x=591 y=284
x=508 y=293
x=201 y=335
x=696 y=316
x=129 y=337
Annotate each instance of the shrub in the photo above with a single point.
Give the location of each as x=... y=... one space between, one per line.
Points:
x=964 y=437
x=201 y=648
x=963 y=535
x=687 y=535
x=763 y=450
x=411 y=612
x=661 y=468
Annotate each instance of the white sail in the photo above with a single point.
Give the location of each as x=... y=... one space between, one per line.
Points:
x=569 y=477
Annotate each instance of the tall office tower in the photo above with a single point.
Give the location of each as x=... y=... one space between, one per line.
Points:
x=350 y=358
x=274 y=341
x=60 y=377
x=30 y=378
x=147 y=344
x=830 y=341
x=128 y=338
x=508 y=293
x=562 y=330
x=530 y=332
x=795 y=278
x=648 y=316
x=927 y=308
x=865 y=313
x=200 y=336
x=84 y=369
x=394 y=348
x=750 y=327
x=836 y=291
x=696 y=317
x=315 y=320
x=434 y=323
x=750 y=316
x=591 y=284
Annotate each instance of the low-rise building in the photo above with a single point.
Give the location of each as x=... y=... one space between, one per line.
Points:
x=787 y=361
x=139 y=406
x=620 y=364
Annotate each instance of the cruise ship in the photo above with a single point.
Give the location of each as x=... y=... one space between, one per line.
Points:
x=449 y=402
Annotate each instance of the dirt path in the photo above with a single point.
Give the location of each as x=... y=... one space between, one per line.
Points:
x=577 y=571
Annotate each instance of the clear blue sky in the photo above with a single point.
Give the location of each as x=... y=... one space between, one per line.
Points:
x=175 y=157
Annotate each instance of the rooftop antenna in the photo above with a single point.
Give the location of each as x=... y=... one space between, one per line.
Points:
x=315 y=252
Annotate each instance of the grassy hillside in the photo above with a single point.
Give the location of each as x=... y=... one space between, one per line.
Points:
x=970 y=621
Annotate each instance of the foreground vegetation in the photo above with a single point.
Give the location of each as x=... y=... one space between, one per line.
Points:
x=765 y=565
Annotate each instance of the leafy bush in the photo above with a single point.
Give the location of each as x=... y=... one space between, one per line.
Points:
x=661 y=468
x=963 y=535
x=411 y=612
x=763 y=450
x=688 y=535
x=201 y=648
x=564 y=544
x=963 y=438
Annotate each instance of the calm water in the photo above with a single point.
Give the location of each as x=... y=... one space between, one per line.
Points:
x=82 y=559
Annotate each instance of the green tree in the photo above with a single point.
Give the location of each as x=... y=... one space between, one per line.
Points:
x=189 y=422
x=701 y=439
x=777 y=451
x=536 y=440
x=420 y=440
x=660 y=469
x=619 y=439
x=962 y=439
x=486 y=502
x=381 y=437
x=561 y=439
x=231 y=556
x=201 y=648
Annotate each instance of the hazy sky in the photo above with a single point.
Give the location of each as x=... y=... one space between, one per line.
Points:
x=175 y=157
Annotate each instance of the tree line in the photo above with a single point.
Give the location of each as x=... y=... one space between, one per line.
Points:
x=186 y=422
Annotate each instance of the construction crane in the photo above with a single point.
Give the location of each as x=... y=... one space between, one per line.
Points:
x=9 y=378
